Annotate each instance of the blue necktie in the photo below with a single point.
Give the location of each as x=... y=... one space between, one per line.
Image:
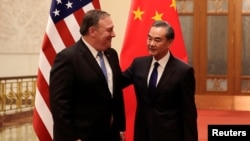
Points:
x=153 y=79
x=102 y=64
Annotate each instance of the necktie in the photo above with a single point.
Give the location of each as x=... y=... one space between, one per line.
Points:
x=153 y=79
x=102 y=64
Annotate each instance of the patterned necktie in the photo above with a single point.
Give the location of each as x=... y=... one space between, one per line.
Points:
x=102 y=64
x=153 y=79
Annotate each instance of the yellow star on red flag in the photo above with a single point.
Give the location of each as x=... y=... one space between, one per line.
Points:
x=157 y=17
x=138 y=14
x=173 y=4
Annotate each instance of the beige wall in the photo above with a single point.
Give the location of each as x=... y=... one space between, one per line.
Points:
x=119 y=10
x=22 y=26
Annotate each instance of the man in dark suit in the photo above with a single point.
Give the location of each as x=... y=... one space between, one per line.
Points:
x=87 y=103
x=166 y=109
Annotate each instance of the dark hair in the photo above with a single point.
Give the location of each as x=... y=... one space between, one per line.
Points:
x=169 y=29
x=91 y=18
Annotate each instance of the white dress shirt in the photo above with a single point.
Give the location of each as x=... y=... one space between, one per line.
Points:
x=161 y=67
x=108 y=68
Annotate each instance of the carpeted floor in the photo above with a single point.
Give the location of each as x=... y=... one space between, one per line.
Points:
x=206 y=117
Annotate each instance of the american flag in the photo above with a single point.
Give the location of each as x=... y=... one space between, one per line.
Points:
x=62 y=31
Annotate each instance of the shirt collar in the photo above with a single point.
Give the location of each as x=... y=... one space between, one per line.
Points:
x=91 y=48
x=163 y=61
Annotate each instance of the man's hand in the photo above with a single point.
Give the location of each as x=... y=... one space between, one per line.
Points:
x=122 y=136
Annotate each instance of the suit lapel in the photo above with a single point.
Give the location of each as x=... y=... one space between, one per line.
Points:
x=112 y=65
x=167 y=73
x=91 y=61
x=145 y=72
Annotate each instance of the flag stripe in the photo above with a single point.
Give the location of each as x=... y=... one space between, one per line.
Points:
x=43 y=134
x=96 y=4
x=44 y=67
x=42 y=88
x=38 y=121
x=73 y=27
x=88 y=7
x=63 y=33
x=54 y=36
x=47 y=52
x=78 y=16
x=44 y=113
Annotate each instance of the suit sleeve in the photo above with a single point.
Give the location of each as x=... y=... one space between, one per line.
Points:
x=189 y=110
x=118 y=99
x=61 y=81
x=127 y=76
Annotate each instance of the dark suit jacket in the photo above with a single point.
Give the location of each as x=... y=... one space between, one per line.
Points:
x=81 y=103
x=170 y=115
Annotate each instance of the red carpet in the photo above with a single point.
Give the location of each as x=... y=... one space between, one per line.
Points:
x=206 y=117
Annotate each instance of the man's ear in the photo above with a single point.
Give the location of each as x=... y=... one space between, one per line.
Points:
x=92 y=31
x=171 y=41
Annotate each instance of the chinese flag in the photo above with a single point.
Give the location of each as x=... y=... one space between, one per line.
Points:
x=141 y=16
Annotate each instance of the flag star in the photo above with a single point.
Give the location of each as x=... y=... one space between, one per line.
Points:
x=56 y=12
x=173 y=4
x=59 y=1
x=138 y=14
x=69 y=4
x=157 y=17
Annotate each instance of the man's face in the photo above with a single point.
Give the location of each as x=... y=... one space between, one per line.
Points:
x=157 y=43
x=104 y=33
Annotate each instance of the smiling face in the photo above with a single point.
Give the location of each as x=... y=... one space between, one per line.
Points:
x=103 y=33
x=158 y=44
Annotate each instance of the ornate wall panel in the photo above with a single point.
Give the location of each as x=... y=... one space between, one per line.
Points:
x=185 y=11
x=22 y=25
